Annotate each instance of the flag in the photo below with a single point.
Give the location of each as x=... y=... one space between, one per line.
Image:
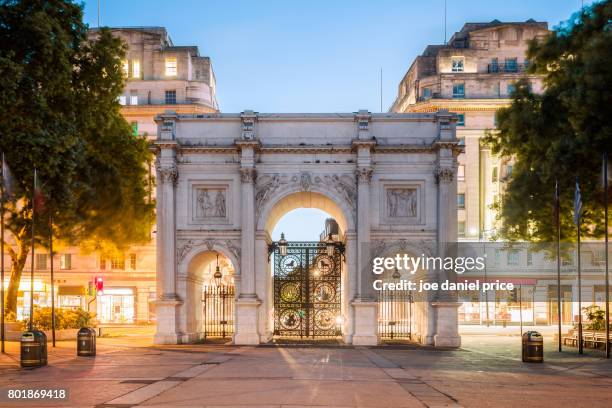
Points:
x=39 y=198
x=7 y=179
x=577 y=203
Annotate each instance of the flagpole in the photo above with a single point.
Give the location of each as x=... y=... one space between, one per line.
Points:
x=2 y=254
x=558 y=223
x=605 y=186
x=577 y=208
x=30 y=325
x=52 y=281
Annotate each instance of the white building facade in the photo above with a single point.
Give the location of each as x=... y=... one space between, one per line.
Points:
x=224 y=180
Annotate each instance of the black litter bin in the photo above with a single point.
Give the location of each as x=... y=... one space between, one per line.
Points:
x=86 y=342
x=33 y=349
x=533 y=347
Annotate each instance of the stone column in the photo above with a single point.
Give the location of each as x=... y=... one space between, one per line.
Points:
x=167 y=176
x=364 y=304
x=247 y=305
x=444 y=306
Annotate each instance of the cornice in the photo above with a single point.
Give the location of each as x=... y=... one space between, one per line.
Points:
x=153 y=110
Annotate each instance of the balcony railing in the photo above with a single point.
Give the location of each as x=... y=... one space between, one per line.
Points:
x=507 y=68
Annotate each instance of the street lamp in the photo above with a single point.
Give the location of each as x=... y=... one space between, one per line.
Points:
x=282 y=245
x=217 y=275
x=330 y=245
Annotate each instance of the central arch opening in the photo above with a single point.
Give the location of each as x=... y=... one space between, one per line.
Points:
x=307 y=268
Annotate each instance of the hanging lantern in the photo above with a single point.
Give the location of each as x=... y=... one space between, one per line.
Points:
x=217 y=275
x=282 y=245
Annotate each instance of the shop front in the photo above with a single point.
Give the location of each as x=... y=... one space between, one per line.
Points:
x=116 y=305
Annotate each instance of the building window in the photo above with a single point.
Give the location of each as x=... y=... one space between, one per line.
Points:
x=134 y=100
x=41 y=262
x=117 y=262
x=461 y=228
x=135 y=68
x=66 y=262
x=122 y=100
x=457 y=64
x=497 y=256
x=171 y=66
x=461 y=119
x=511 y=65
x=133 y=261
x=427 y=93
x=125 y=66
x=134 y=128
x=459 y=90
x=494 y=175
x=170 y=97
x=461 y=200
x=102 y=264
x=599 y=257
x=510 y=89
x=529 y=258
x=509 y=170
x=568 y=259
x=513 y=257
x=494 y=66
x=461 y=172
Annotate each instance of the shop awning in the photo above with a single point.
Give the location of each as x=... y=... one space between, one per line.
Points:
x=71 y=290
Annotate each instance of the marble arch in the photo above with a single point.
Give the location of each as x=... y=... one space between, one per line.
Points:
x=224 y=180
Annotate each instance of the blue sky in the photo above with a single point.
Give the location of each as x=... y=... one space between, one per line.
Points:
x=314 y=56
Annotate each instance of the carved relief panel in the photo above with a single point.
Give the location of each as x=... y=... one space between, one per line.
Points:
x=210 y=204
x=401 y=203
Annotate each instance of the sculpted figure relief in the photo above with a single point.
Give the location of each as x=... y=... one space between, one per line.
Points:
x=207 y=208
x=401 y=202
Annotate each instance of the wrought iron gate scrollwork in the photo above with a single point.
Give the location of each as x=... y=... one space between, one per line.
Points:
x=307 y=291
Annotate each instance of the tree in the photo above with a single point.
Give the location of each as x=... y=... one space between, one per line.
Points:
x=59 y=93
x=561 y=133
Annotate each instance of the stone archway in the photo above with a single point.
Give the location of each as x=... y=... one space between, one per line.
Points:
x=195 y=260
x=274 y=207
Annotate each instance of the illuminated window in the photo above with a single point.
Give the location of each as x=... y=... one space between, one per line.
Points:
x=171 y=66
x=461 y=172
x=134 y=100
x=126 y=68
x=117 y=263
x=135 y=68
x=457 y=64
x=66 y=262
x=122 y=100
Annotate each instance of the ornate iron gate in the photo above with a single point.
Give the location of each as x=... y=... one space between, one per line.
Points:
x=395 y=314
x=218 y=304
x=307 y=291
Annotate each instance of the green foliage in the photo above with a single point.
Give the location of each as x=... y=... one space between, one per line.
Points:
x=60 y=114
x=64 y=318
x=560 y=134
x=596 y=317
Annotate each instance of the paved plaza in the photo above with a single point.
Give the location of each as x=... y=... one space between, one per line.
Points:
x=486 y=372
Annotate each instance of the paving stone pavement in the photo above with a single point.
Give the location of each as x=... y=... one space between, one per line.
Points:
x=293 y=377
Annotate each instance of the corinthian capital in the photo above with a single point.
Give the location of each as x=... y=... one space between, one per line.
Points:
x=364 y=175
x=167 y=173
x=248 y=175
x=444 y=175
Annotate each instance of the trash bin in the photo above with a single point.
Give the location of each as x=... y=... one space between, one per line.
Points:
x=33 y=349
x=86 y=342
x=533 y=347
